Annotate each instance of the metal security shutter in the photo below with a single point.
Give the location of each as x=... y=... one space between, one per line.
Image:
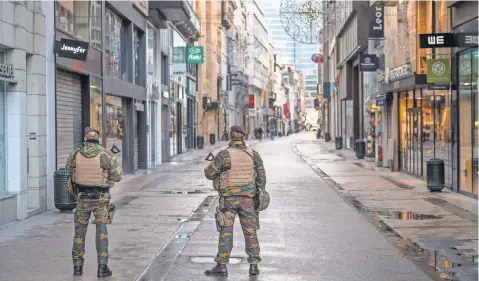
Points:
x=69 y=115
x=153 y=132
x=135 y=143
x=389 y=113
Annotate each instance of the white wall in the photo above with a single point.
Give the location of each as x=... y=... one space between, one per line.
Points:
x=48 y=8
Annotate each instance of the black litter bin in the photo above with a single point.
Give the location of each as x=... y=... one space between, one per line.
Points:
x=360 y=147
x=338 y=142
x=435 y=175
x=200 y=142
x=212 y=139
x=63 y=199
x=327 y=137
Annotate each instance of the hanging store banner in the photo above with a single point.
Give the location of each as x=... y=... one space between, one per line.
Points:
x=195 y=55
x=376 y=22
x=368 y=63
x=466 y=39
x=72 y=49
x=437 y=40
x=438 y=71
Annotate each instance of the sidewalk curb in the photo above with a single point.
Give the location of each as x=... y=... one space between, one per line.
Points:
x=414 y=250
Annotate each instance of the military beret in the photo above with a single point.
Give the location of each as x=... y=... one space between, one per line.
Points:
x=237 y=129
x=91 y=130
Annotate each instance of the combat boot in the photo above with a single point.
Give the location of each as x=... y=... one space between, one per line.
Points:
x=78 y=270
x=218 y=270
x=253 y=269
x=103 y=271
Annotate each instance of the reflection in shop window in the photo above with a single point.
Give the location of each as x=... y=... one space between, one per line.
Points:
x=150 y=52
x=81 y=19
x=96 y=103
x=115 y=46
x=137 y=45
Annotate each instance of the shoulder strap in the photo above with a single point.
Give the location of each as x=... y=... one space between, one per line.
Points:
x=243 y=150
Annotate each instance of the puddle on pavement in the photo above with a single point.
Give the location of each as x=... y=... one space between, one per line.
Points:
x=402 y=215
x=182 y=192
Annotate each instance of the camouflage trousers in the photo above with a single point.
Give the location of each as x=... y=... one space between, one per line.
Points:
x=245 y=208
x=99 y=208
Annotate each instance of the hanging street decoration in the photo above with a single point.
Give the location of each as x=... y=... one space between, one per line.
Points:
x=317 y=58
x=302 y=20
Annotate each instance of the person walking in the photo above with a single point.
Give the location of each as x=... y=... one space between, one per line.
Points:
x=94 y=170
x=241 y=180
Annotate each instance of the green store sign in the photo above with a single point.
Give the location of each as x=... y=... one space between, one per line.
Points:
x=195 y=55
x=438 y=71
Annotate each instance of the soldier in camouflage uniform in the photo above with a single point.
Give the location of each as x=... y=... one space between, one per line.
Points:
x=237 y=172
x=94 y=171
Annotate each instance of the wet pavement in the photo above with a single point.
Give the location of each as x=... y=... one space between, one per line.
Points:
x=441 y=226
x=309 y=232
x=316 y=227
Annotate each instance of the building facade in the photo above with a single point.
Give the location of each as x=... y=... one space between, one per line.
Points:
x=23 y=110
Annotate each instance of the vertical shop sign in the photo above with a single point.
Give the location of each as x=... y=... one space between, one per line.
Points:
x=438 y=71
x=376 y=22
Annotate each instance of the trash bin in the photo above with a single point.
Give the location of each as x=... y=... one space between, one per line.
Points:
x=200 y=142
x=212 y=139
x=338 y=142
x=435 y=175
x=327 y=137
x=360 y=147
x=63 y=199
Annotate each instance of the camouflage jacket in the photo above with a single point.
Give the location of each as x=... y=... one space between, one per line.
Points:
x=107 y=160
x=222 y=162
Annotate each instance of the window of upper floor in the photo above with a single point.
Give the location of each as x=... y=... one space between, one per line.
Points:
x=80 y=19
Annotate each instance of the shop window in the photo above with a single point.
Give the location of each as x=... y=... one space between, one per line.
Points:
x=81 y=19
x=116 y=46
x=96 y=103
x=150 y=49
x=468 y=121
x=137 y=38
x=165 y=70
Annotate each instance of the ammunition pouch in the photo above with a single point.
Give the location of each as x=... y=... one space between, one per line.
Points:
x=220 y=219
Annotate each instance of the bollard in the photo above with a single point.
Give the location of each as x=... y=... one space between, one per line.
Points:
x=360 y=147
x=63 y=199
x=435 y=175
x=338 y=142
x=327 y=137
x=212 y=139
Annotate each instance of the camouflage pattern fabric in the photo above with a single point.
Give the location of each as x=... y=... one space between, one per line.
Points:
x=107 y=160
x=221 y=164
x=244 y=207
x=99 y=208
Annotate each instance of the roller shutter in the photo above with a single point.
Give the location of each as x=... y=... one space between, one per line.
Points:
x=153 y=132
x=69 y=115
x=389 y=112
x=135 y=143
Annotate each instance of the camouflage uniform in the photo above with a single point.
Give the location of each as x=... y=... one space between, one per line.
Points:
x=86 y=205
x=237 y=200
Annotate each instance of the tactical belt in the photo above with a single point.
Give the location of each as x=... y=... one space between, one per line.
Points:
x=88 y=189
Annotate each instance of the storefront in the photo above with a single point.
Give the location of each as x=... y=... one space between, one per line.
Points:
x=178 y=84
x=425 y=132
x=465 y=115
x=190 y=112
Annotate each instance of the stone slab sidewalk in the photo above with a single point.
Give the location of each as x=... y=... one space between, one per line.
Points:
x=444 y=224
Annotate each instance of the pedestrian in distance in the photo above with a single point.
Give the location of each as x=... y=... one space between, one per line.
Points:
x=239 y=177
x=94 y=170
x=260 y=133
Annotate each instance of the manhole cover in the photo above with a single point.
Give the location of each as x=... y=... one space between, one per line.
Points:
x=212 y=260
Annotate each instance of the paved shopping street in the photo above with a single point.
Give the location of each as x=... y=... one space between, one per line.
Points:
x=164 y=228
